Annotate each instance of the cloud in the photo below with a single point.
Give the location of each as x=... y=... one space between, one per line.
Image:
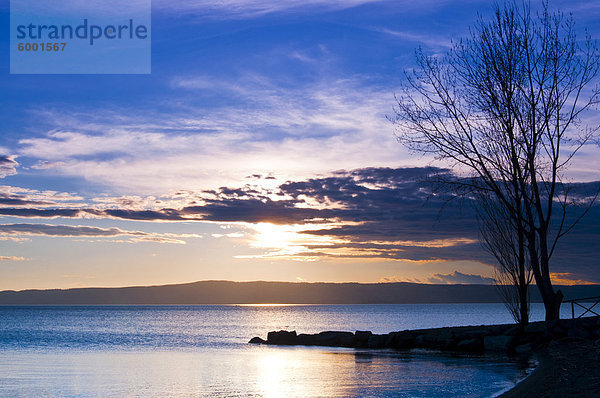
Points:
x=568 y=278
x=389 y=214
x=245 y=9
x=159 y=239
x=12 y=258
x=14 y=239
x=8 y=166
x=459 y=278
x=41 y=213
x=15 y=196
x=399 y=279
x=372 y=213
x=365 y=195
x=20 y=201
x=254 y=211
x=439 y=42
x=60 y=230
x=454 y=278
x=87 y=231
x=261 y=126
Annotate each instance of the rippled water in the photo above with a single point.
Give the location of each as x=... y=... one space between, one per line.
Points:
x=189 y=351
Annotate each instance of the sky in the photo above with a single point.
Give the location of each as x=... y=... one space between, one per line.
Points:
x=258 y=148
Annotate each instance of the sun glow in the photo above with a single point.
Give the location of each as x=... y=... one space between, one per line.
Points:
x=288 y=241
x=275 y=236
x=567 y=278
x=300 y=242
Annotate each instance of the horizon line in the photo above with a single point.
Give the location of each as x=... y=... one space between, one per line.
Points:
x=266 y=281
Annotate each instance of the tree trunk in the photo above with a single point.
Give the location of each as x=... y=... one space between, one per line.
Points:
x=523 y=278
x=552 y=304
x=524 y=312
x=523 y=305
x=552 y=300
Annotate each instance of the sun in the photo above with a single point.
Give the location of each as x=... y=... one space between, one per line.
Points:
x=272 y=236
x=290 y=241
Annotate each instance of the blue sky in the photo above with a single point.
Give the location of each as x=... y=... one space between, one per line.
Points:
x=257 y=116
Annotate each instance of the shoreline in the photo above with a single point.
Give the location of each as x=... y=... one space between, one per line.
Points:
x=567 y=351
x=528 y=372
x=567 y=367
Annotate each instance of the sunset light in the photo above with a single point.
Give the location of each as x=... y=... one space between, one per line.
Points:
x=299 y=198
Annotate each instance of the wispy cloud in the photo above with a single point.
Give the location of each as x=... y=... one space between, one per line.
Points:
x=423 y=39
x=12 y=258
x=243 y=9
x=87 y=231
x=17 y=196
x=268 y=128
x=8 y=166
x=454 y=278
x=288 y=132
x=568 y=278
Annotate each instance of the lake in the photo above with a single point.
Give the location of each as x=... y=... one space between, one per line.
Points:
x=203 y=351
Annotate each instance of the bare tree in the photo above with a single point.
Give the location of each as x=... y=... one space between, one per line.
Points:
x=506 y=241
x=505 y=105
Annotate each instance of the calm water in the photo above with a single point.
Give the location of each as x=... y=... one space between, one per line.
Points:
x=197 y=351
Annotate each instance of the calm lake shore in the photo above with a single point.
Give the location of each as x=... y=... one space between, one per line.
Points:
x=568 y=350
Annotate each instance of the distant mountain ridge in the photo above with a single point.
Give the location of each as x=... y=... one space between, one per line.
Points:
x=260 y=292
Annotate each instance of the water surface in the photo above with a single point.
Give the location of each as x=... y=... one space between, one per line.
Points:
x=198 y=351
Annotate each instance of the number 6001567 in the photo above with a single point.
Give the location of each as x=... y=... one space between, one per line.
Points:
x=46 y=47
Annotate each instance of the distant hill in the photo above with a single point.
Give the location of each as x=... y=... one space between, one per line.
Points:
x=226 y=292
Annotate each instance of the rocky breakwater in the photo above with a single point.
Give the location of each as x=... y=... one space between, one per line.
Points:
x=487 y=338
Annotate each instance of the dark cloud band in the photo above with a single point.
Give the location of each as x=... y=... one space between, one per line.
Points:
x=377 y=213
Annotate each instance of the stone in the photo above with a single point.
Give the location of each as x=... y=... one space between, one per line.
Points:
x=535 y=328
x=474 y=345
x=361 y=338
x=439 y=337
x=282 y=337
x=496 y=330
x=306 y=339
x=474 y=333
x=377 y=341
x=559 y=332
x=499 y=338
x=553 y=324
x=524 y=349
x=497 y=343
x=390 y=338
x=401 y=341
x=513 y=331
x=420 y=341
x=579 y=333
x=435 y=339
x=335 y=339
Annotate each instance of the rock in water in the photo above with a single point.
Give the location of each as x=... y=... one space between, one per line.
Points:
x=361 y=338
x=283 y=337
x=335 y=339
x=497 y=343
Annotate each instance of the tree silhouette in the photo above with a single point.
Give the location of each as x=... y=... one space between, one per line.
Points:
x=506 y=241
x=506 y=106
